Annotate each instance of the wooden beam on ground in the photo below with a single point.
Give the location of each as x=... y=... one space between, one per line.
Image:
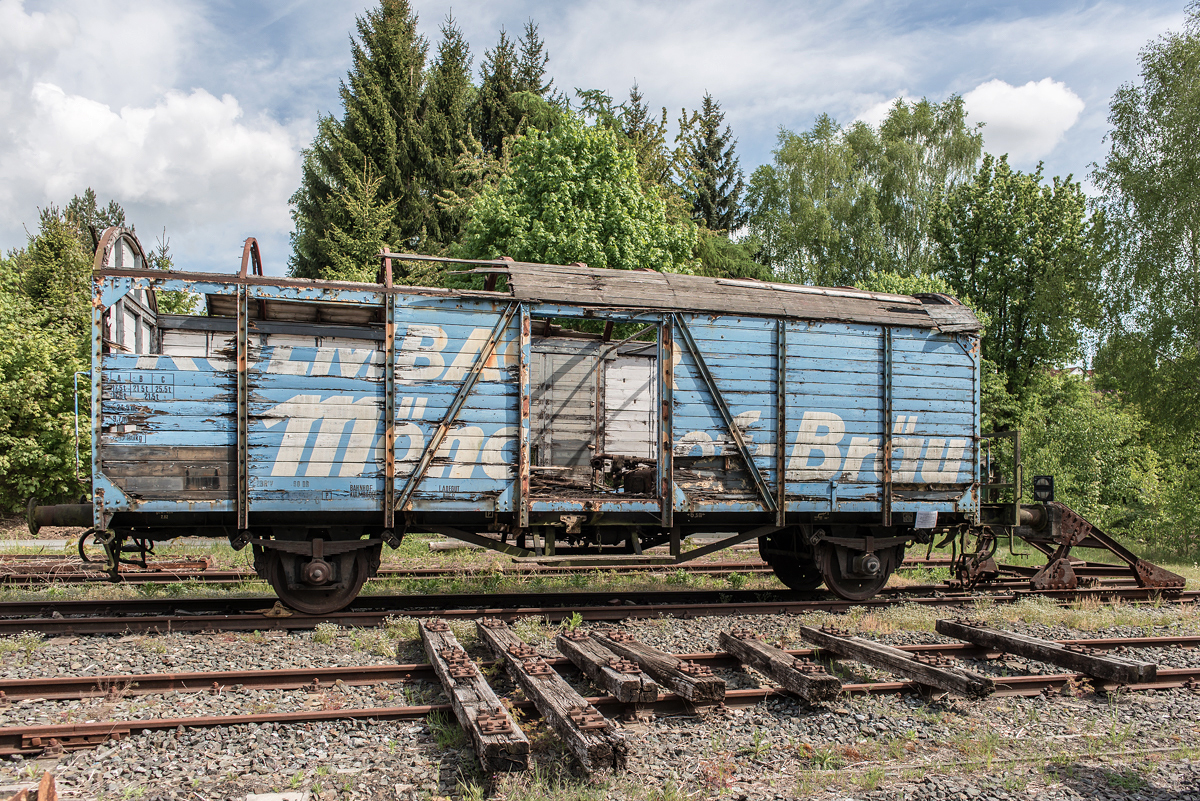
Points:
x=620 y=678
x=1078 y=658
x=688 y=680
x=806 y=679
x=932 y=671
x=499 y=743
x=592 y=738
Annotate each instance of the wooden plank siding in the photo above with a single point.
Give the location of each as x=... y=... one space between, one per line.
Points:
x=316 y=394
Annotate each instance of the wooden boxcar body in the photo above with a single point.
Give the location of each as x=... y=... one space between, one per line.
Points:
x=318 y=420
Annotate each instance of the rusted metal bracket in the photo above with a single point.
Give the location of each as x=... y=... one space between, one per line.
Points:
x=483 y=542
x=745 y=536
x=469 y=381
x=1071 y=530
x=764 y=492
x=243 y=400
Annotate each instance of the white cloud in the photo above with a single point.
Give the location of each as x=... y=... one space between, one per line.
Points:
x=192 y=153
x=88 y=98
x=1026 y=122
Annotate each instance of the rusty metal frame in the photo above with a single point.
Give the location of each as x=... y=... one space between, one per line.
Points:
x=243 y=406
x=781 y=420
x=1018 y=473
x=745 y=536
x=469 y=381
x=389 y=398
x=764 y=492
x=666 y=421
x=887 y=427
x=524 y=354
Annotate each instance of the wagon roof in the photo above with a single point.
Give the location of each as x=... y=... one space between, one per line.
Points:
x=587 y=286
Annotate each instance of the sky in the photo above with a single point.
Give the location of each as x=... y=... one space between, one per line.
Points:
x=193 y=114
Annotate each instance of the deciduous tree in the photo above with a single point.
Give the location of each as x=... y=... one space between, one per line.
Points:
x=574 y=194
x=1150 y=212
x=1020 y=250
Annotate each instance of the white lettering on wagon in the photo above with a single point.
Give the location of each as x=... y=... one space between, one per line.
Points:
x=348 y=437
x=821 y=453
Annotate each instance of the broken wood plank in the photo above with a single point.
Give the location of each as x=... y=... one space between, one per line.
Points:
x=688 y=680
x=592 y=738
x=806 y=679
x=1079 y=658
x=620 y=678
x=499 y=742
x=932 y=671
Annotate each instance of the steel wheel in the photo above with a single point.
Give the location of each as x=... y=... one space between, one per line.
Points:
x=852 y=588
x=797 y=574
x=318 y=600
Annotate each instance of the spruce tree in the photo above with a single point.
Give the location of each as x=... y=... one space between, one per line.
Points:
x=380 y=134
x=448 y=134
x=647 y=136
x=714 y=180
x=531 y=68
x=515 y=92
x=498 y=116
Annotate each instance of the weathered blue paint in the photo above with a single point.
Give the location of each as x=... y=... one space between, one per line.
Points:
x=316 y=413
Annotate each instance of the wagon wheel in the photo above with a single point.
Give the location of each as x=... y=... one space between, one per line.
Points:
x=318 y=600
x=798 y=574
x=853 y=588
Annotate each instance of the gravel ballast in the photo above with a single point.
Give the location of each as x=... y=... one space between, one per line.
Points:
x=1072 y=745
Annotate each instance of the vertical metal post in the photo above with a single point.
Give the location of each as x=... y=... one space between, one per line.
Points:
x=77 y=374
x=99 y=520
x=389 y=398
x=781 y=438
x=243 y=404
x=524 y=353
x=887 y=426
x=666 y=435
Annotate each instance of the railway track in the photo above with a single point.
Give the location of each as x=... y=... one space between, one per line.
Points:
x=38 y=569
x=257 y=614
x=50 y=739
x=73 y=571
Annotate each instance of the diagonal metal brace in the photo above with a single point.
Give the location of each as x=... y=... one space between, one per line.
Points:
x=439 y=436
x=764 y=493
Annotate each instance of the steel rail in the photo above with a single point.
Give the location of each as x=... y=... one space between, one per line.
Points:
x=59 y=688
x=241 y=615
x=37 y=739
x=65 y=574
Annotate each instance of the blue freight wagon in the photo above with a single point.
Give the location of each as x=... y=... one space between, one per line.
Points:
x=559 y=412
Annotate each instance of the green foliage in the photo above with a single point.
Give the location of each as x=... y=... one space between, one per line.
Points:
x=41 y=347
x=379 y=136
x=1020 y=250
x=351 y=244
x=56 y=272
x=838 y=203
x=514 y=93
x=721 y=257
x=897 y=284
x=1150 y=210
x=1096 y=449
x=712 y=180
x=814 y=211
x=921 y=151
x=574 y=195
x=447 y=111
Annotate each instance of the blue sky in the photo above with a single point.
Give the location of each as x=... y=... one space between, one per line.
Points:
x=193 y=114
